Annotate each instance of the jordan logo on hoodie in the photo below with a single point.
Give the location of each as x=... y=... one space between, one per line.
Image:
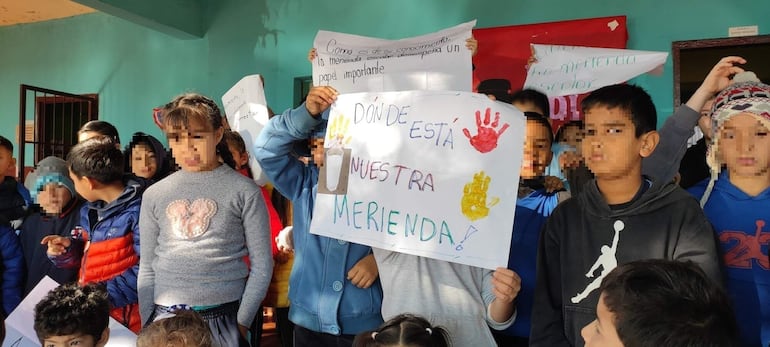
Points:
x=607 y=260
x=745 y=248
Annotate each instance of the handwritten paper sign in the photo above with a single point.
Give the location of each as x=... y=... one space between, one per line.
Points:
x=19 y=325
x=567 y=70
x=352 y=63
x=246 y=110
x=428 y=173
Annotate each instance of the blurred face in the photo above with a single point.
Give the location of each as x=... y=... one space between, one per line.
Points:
x=601 y=332
x=78 y=340
x=317 y=150
x=573 y=136
x=744 y=146
x=6 y=160
x=195 y=148
x=241 y=158
x=53 y=198
x=610 y=148
x=537 y=150
x=143 y=163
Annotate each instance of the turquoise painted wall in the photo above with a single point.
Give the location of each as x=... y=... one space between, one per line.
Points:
x=653 y=25
x=134 y=68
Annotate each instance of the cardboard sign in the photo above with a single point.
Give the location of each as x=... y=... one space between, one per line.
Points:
x=246 y=110
x=352 y=63
x=428 y=173
x=568 y=70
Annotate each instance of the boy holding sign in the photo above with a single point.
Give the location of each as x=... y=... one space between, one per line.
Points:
x=621 y=216
x=334 y=291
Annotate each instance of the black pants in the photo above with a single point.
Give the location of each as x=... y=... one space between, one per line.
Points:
x=304 y=337
x=509 y=341
x=284 y=326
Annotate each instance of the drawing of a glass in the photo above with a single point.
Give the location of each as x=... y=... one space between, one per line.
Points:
x=333 y=166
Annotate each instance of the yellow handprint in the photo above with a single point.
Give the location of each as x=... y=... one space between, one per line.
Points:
x=337 y=132
x=474 y=202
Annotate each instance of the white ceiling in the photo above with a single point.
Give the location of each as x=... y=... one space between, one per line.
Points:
x=14 y=12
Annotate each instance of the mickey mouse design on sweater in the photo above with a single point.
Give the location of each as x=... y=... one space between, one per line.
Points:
x=190 y=220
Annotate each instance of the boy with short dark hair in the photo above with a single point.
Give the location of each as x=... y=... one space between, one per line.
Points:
x=621 y=216
x=71 y=315
x=59 y=212
x=108 y=238
x=530 y=100
x=661 y=303
x=534 y=204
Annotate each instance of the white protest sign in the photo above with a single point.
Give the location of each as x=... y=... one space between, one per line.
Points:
x=19 y=325
x=246 y=110
x=568 y=70
x=352 y=63
x=429 y=173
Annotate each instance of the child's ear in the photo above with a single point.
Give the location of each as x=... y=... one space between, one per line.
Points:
x=105 y=337
x=219 y=133
x=92 y=183
x=649 y=140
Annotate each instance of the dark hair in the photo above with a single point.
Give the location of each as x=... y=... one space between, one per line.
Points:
x=536 y=117
x=628 y=98
x=102 y=128
x=71 y=309
x=199 y=108
x=665 y=303
x=96 y=158
x=4 y=142
x=571 y=124
x=539 y=99
x=161 y=156
x=235 y=139
x=404 y=330
x=185 y=328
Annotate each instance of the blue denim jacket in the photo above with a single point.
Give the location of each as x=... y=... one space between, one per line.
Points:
x=322 y=299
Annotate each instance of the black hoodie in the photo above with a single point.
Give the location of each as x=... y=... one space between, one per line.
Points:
x=580 y=239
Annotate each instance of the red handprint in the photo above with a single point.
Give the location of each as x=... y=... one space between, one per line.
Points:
x=486 y=138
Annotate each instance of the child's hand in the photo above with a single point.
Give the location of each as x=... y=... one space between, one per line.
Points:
x=57 y=245
x=506 y=285
x=319 y=99
x=312 y=54
x=553 y=184
x=569 y=160
x=285 y=240
x=282 y=257
x=473 y=45
x=719 y=76
x=364 y=273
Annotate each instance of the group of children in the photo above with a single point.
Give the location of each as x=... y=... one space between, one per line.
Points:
x=630 y=259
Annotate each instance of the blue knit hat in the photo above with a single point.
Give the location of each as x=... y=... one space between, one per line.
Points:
x=49 y=170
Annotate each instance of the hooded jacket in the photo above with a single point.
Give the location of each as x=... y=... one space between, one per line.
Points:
x=322 y=298
x=39 y=225
x=585 y=239
x=107 y=251
x=741 y=225
x=162 y=159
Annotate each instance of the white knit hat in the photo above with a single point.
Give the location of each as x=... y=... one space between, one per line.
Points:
x=748 y=95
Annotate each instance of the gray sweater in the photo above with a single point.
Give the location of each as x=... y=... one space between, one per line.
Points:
x=196 y=229
x=451 y=295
